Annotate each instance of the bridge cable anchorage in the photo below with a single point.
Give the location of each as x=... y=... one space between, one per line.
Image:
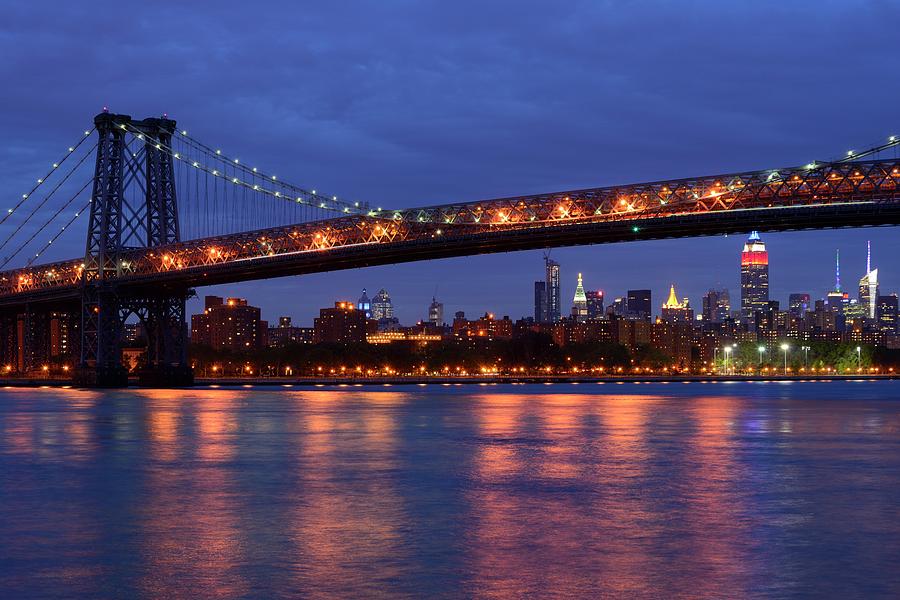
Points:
x=43 y=179
x=46 y=198
x=58 y=234
x=317 y=200
x=307 y=197
x=22 y=247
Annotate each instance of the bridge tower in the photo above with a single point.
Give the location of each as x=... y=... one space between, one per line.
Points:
x=133 y=206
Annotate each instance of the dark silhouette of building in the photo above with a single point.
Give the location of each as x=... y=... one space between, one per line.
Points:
x=716 y=306
x=594 y=304
x=554 y=300
x=230 y=324
x=540 y=301
x=639 y=304
x=886 y=314
x=342 y=324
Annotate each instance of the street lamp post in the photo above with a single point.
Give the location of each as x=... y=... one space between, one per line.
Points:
x=785 y=348
x=715 y=358
x=727 y=350
x=761 y=349
x=858 y=359
x=806 y=357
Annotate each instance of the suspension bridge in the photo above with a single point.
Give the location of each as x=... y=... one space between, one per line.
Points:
x=166 y=213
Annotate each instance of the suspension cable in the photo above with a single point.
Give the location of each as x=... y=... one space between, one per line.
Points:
x=43 y=179
x=46 y=198
x=305 y=197
x=58 y=234
x=255 y=172
x=7 y=260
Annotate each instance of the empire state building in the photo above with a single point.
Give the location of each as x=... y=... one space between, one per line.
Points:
x=754 y=277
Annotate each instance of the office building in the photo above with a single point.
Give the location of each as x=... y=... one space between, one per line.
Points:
x=674 y=311
x=364 y=304
x=716 y=306
x=540 y=301
x=436 y=312
x=554 y=300
x=868 y=286
x=886 y=314
x=754 y=277
x=579 y=303
x=594 y=304
x=382 y=307
x=798 y=305
x=639 y=304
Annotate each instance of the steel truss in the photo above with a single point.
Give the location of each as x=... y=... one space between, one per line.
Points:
x=129 y=158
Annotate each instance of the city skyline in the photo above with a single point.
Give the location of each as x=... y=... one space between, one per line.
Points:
x=409 y=137
x=518 y=302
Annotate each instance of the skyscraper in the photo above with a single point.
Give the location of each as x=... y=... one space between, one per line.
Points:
x=754 y=277
x=836 y=299
x=553 y=295
x=382 y=307
x=436 y=312
x=364 y=304
x=594 y=304
x=639 y=305
x=868 y=286
x=798 y=305
x=540 y=301
x=579 y=303
x=887 y=314
x=716 y=306
x=675 y=311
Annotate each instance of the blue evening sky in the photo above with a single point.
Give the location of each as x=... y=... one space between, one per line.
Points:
x=406 y=103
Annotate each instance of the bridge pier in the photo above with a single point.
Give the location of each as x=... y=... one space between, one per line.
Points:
x=162 y=316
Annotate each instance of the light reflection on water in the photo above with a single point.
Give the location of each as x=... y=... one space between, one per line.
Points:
x=655 y=490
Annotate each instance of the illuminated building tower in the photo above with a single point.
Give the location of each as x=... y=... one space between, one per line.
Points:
x=887 y=314
x=436 y=312
x=798 y=305
x=716 y=306
x=868 y=286
x=382 y=307
x=836 y=299
x=553 y=296
x=540 y=301
x=579 y=303
x=639 y=304
x=594 y=304
x=364 y=304
x=674 y=311
x=754 y=277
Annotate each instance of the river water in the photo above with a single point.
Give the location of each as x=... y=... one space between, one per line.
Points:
x=701 y=490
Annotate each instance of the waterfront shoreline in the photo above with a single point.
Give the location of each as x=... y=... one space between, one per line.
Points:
x=206 y=382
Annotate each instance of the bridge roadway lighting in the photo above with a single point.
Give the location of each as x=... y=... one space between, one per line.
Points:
x=785 y=348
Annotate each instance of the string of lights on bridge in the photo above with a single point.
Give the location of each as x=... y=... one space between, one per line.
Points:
x=323 y=202
x=42 y=180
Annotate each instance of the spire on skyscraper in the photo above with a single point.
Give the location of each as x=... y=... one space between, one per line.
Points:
x=837 y=270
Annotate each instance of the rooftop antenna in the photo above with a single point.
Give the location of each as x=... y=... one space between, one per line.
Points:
x=837 y=270
x=868 y=256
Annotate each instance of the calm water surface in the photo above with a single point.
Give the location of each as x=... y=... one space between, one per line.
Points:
x=613 y=490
